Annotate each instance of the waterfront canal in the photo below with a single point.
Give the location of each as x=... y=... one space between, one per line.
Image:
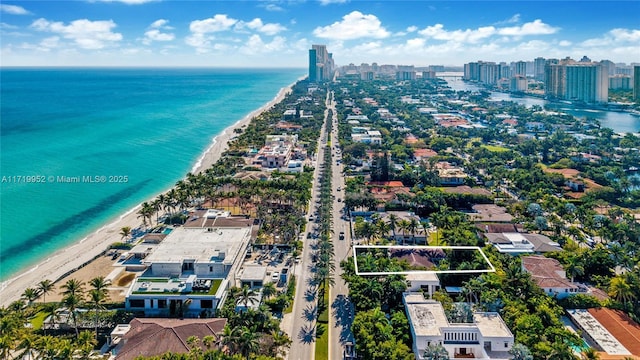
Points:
x=620 y=122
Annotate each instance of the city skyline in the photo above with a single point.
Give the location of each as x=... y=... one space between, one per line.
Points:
x=279 y=33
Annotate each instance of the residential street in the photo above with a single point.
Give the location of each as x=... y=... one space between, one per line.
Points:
x=341 y=314
x=301 y=323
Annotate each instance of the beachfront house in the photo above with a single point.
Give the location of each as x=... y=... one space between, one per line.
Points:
x=487 y=337
x=188 y=274
x=276 y=152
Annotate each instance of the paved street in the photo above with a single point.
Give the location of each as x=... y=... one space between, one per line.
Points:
x=341 y=314
x=301 y=323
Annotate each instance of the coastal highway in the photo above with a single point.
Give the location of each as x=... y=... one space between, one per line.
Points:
x=301 y=323
x=341 y=309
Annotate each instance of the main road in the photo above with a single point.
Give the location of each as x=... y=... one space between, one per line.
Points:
x=301 y=323
x=341 y=314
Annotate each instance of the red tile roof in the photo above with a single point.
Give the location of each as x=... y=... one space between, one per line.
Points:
x=155 y=336
x=620 y=326
x=546 y=272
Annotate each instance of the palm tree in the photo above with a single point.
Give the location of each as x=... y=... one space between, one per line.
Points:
x=145 y=212
x=73 y=295
x=27 y=344
x=84 y=344
x=230 y=336
x=620 y=290
x=404 y=225
x=393 y=222
x=247 y=296
x=30 y=294
x=281 y=342
x=413 y=227
x=97 y=299
x=125 y=231
x=436 y=352
x=268 y=290
x=248 y=342
x=100 y=284
x=574 y=267
x=45 y=287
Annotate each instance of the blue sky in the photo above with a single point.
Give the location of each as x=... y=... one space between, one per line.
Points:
x=278 y=33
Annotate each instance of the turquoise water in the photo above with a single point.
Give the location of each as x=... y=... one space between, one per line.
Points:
x=143 y=129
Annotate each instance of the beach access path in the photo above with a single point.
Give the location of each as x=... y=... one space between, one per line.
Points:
x=71 y=258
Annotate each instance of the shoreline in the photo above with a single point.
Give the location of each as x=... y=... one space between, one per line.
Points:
x=81 y=252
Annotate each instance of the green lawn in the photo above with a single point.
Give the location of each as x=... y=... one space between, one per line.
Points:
x=495 y=148
x=38 y=320
x=322 y=342
x=322 y=331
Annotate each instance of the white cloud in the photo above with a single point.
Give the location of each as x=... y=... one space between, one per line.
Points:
x=327 y=2
x=154 y=33
x=5 y=26
x=614 y=37
x=13 y=9
x=257 y=25
x=412 y=28
x=200 y=37
x=620 y=35
x=85 y=33
x=537 y=27
x=564 y=43
x=273 y=7
x=256 y=45
x=220 y=22
x=354 y=25
x=512 y=20
x=438 y=32
x=159 y=24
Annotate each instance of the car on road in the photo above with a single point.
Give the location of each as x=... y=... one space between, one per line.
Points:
x=339 y=188
x=341 y=236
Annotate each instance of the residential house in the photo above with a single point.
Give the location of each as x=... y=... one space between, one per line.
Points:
x=190 y=271
x=550 y=276
x=486 y=337
x=154 y=336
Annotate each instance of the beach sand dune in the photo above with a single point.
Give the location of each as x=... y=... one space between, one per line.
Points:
x=64 y=262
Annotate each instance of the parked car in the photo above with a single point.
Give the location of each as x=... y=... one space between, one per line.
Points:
x=341 y=236
x=275 y=276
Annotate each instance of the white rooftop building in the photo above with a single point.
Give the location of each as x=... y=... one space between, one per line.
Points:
x=189 y=271
x=488 y=337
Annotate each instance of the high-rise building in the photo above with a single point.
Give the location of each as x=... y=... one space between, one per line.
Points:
x=520 y=68
x=620 y=82
x=587 y=82
x=320 y=64
x=489 y=73
x=518 y=83
x=406 y=72
x=636 y=82
x=554 y=79
x=538 y=64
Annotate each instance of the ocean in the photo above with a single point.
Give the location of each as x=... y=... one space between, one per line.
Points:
x=79 y=147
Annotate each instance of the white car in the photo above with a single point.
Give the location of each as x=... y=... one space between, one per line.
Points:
x=275 y=276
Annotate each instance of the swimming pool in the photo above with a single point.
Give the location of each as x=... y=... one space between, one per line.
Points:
x=167 y=231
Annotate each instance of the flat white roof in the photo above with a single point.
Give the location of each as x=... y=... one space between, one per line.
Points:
x=597 y=332
x=431 y=277
x=253 y=273
x=426 y=316
x=491 y=325
x=204 y=245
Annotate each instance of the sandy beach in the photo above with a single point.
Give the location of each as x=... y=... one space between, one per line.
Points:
x=69 y=259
